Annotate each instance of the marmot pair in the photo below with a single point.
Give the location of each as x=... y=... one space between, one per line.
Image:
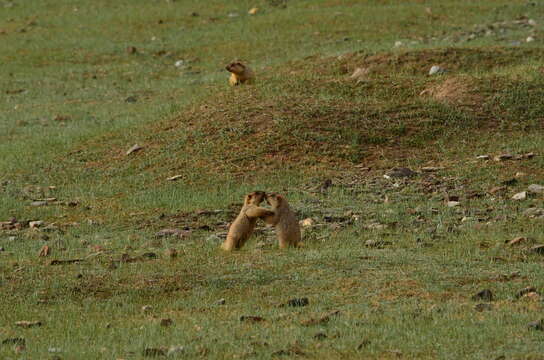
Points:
x=279 y=215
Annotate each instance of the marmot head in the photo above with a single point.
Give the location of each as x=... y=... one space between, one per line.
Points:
x=236 y=68
x=274 y=199
x=255 y=198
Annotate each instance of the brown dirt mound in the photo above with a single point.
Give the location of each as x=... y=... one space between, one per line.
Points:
x=455 y=90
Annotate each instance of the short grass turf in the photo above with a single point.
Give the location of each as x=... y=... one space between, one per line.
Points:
x=389 y=270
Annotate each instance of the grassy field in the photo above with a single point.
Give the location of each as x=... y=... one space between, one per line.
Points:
x=391 y=264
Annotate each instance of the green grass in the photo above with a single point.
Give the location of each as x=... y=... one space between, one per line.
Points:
x=399 y=265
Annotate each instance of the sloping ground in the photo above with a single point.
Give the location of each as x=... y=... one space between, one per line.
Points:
x=313 y=119
x=312 y=114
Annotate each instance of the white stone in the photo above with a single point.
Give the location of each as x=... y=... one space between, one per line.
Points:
x=435 y=69
x=530 y=39
x=536 y=189
x=35 y=224
x=520 y=196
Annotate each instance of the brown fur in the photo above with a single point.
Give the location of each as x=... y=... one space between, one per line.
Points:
x=240 y=74
x=285 y=221
x=243 y=226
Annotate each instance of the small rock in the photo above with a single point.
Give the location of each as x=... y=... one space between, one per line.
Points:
x=509 y=182
x=149 y=255
x=179 y=63
x=173 y=232
x=360 y=74
x=166 y=322
x=38 y=203
x=232 y=15
x=530 y=39
x=307 y=222
x=503 y=157
x=536 y=189
x=483 y=307
x=398 y=43
x=131 y=50
x=14 y=341
x=376 y=243
x=453 y=203
x=534 y=212
x=531 y=22
x=133 y=149
x=483 y=157
x=517 y=241
x=174 y=178
x=436 y=70
x=253 y=11
x=485 y=295
x=173 y=350
x=497 y=189
x=536 y=325
x=431 y=169
x=298 y=302
x=251 y=318
x=153 y=352
x=538 y=249
x=131 y=99
x=525 y=291
x=520 y=196
x=35 y=224
x=401 y=172
x=28 y=324
x=147 y=308
x=221 y=302
x=54 y=350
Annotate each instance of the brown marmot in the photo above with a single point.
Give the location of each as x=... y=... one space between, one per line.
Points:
x=284 y=220
x=240 y=74
x=242 y=227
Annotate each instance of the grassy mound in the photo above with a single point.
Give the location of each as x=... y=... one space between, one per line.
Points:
x=314 y=114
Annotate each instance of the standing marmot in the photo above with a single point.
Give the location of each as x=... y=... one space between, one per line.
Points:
x=285 y=221
x=240 y=74
x=242 y=227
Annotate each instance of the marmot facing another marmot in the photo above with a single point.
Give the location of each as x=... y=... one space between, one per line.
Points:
x=242 y=227
x=240 y=74
x=285 y=221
